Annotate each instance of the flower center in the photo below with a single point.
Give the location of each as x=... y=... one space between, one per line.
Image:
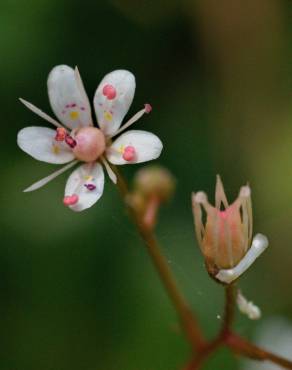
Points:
x=90 y=144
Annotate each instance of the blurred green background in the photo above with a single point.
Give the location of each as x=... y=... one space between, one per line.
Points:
x=77 y=291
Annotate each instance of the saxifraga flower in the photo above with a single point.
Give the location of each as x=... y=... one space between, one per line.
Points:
x=76 y=139
x=225 y=238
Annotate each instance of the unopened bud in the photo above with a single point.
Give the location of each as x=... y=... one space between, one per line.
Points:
x=224 y=233
x=155 y=181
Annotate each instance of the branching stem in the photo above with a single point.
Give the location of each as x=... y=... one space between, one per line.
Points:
x=202 y=348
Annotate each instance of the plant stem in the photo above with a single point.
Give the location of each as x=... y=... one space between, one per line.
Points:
x=187 y=318
x=247 y=349
x=201 y=347
x=229 y=310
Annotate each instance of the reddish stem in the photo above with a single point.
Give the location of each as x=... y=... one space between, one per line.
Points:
x=247 y=349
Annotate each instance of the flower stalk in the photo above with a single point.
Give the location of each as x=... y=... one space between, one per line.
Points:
x=188 y=321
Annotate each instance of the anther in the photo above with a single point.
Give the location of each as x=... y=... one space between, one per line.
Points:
x=90 y=187
x=129 y=153
x=70 y=141
x=60 y=134
x=148 y=108
x=109 y=91
x=70 y=200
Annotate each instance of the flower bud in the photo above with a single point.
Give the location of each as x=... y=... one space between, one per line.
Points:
x=225 y=236
x=155 y=181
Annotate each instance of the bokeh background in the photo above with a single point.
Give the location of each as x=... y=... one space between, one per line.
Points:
x=77 y=291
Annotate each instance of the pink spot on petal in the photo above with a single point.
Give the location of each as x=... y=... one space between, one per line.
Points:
x=109 y=91
x=82 y=108
x=67 y=106
x=73 y=105
x=129 y=153
x=70 y=200
x=148 y=108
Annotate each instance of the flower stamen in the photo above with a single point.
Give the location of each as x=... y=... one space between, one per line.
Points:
x=70 y=200
x=129 y=153
x=61 y=134
x=70 y=141
x=90 y=187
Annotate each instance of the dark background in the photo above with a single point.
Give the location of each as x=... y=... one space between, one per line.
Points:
x=77 y=291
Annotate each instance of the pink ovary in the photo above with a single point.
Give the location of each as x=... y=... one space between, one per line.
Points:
x=129 y=153
x=109 y=91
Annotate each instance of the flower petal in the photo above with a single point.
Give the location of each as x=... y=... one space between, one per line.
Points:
x=145 y=146
x=68 y=98
x=113 y=98
x=258 y=246
x=79 y=182
x=40 y=143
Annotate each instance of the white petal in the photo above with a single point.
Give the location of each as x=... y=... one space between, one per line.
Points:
x=40 y=143
x=49 y=178
x=40 y=113
x=147 y=146
x=113 y=98
x=89 y=173
x=259 y=244
x=68 y=98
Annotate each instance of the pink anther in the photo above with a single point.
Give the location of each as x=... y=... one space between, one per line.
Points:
x=60 y=134
x=70 y=200
x=148 y=108
x=90 y=187
x=129 y=153
x=109 y=91
x=70 y=141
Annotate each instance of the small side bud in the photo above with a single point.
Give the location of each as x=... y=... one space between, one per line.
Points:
x=155 y=180
x=153 y=186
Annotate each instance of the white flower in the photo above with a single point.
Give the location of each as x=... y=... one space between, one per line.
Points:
x=275 y=335
x=76 y=139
